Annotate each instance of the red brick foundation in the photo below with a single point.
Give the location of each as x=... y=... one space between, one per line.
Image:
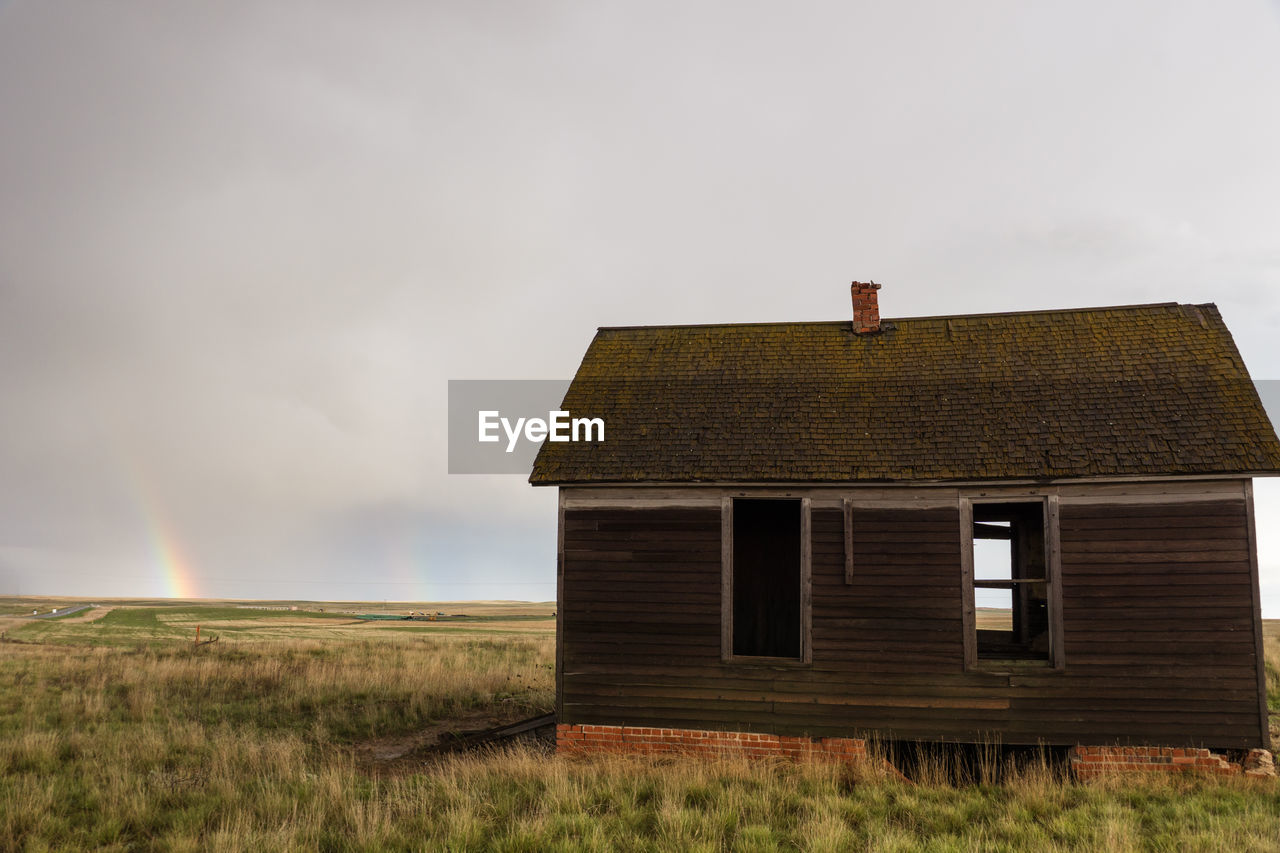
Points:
x=1090 y=762
x=634 y=740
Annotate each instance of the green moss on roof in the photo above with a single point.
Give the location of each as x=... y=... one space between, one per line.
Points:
x=1138 y=390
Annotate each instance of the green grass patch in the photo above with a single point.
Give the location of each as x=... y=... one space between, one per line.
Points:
x=120 y=627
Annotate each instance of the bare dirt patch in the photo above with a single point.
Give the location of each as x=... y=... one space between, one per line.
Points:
x=93 y=614
x=411 y=753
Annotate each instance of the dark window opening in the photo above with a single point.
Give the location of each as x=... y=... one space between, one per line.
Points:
x=766 y=578
x=1010 y=581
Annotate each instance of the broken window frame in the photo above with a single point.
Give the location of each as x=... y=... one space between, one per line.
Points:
x=726 y=581
x=1055 y=657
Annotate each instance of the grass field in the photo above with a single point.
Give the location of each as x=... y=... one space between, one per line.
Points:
x=301 y=730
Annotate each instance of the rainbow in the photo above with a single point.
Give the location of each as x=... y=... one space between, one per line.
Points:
x=179 y=578
x=166 y=557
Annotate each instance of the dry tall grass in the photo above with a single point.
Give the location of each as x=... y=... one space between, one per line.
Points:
x=251 y=746
x=354 y=688
x=173 y=747
x=221 y=789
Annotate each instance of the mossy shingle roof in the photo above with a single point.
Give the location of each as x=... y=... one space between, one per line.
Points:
x=1140 y=390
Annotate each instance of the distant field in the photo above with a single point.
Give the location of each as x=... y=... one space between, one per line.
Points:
x=312 y=730
x=129 y=622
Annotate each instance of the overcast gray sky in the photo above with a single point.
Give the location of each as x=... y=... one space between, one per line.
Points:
x=244 y=245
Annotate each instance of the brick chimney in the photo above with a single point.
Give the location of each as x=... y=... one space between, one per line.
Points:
x=866 y=310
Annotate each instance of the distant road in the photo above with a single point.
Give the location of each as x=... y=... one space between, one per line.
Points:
x=62 y=611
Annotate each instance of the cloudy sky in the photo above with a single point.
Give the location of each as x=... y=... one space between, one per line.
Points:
x=245 y=245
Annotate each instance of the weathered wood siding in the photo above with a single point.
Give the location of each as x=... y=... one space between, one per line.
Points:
x=641 y=620
x=1158 y=624
x=1157 y=618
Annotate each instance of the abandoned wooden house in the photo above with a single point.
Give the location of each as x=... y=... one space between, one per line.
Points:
x=1028 y=527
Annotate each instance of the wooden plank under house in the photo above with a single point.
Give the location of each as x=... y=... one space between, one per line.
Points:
x=779 y=534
